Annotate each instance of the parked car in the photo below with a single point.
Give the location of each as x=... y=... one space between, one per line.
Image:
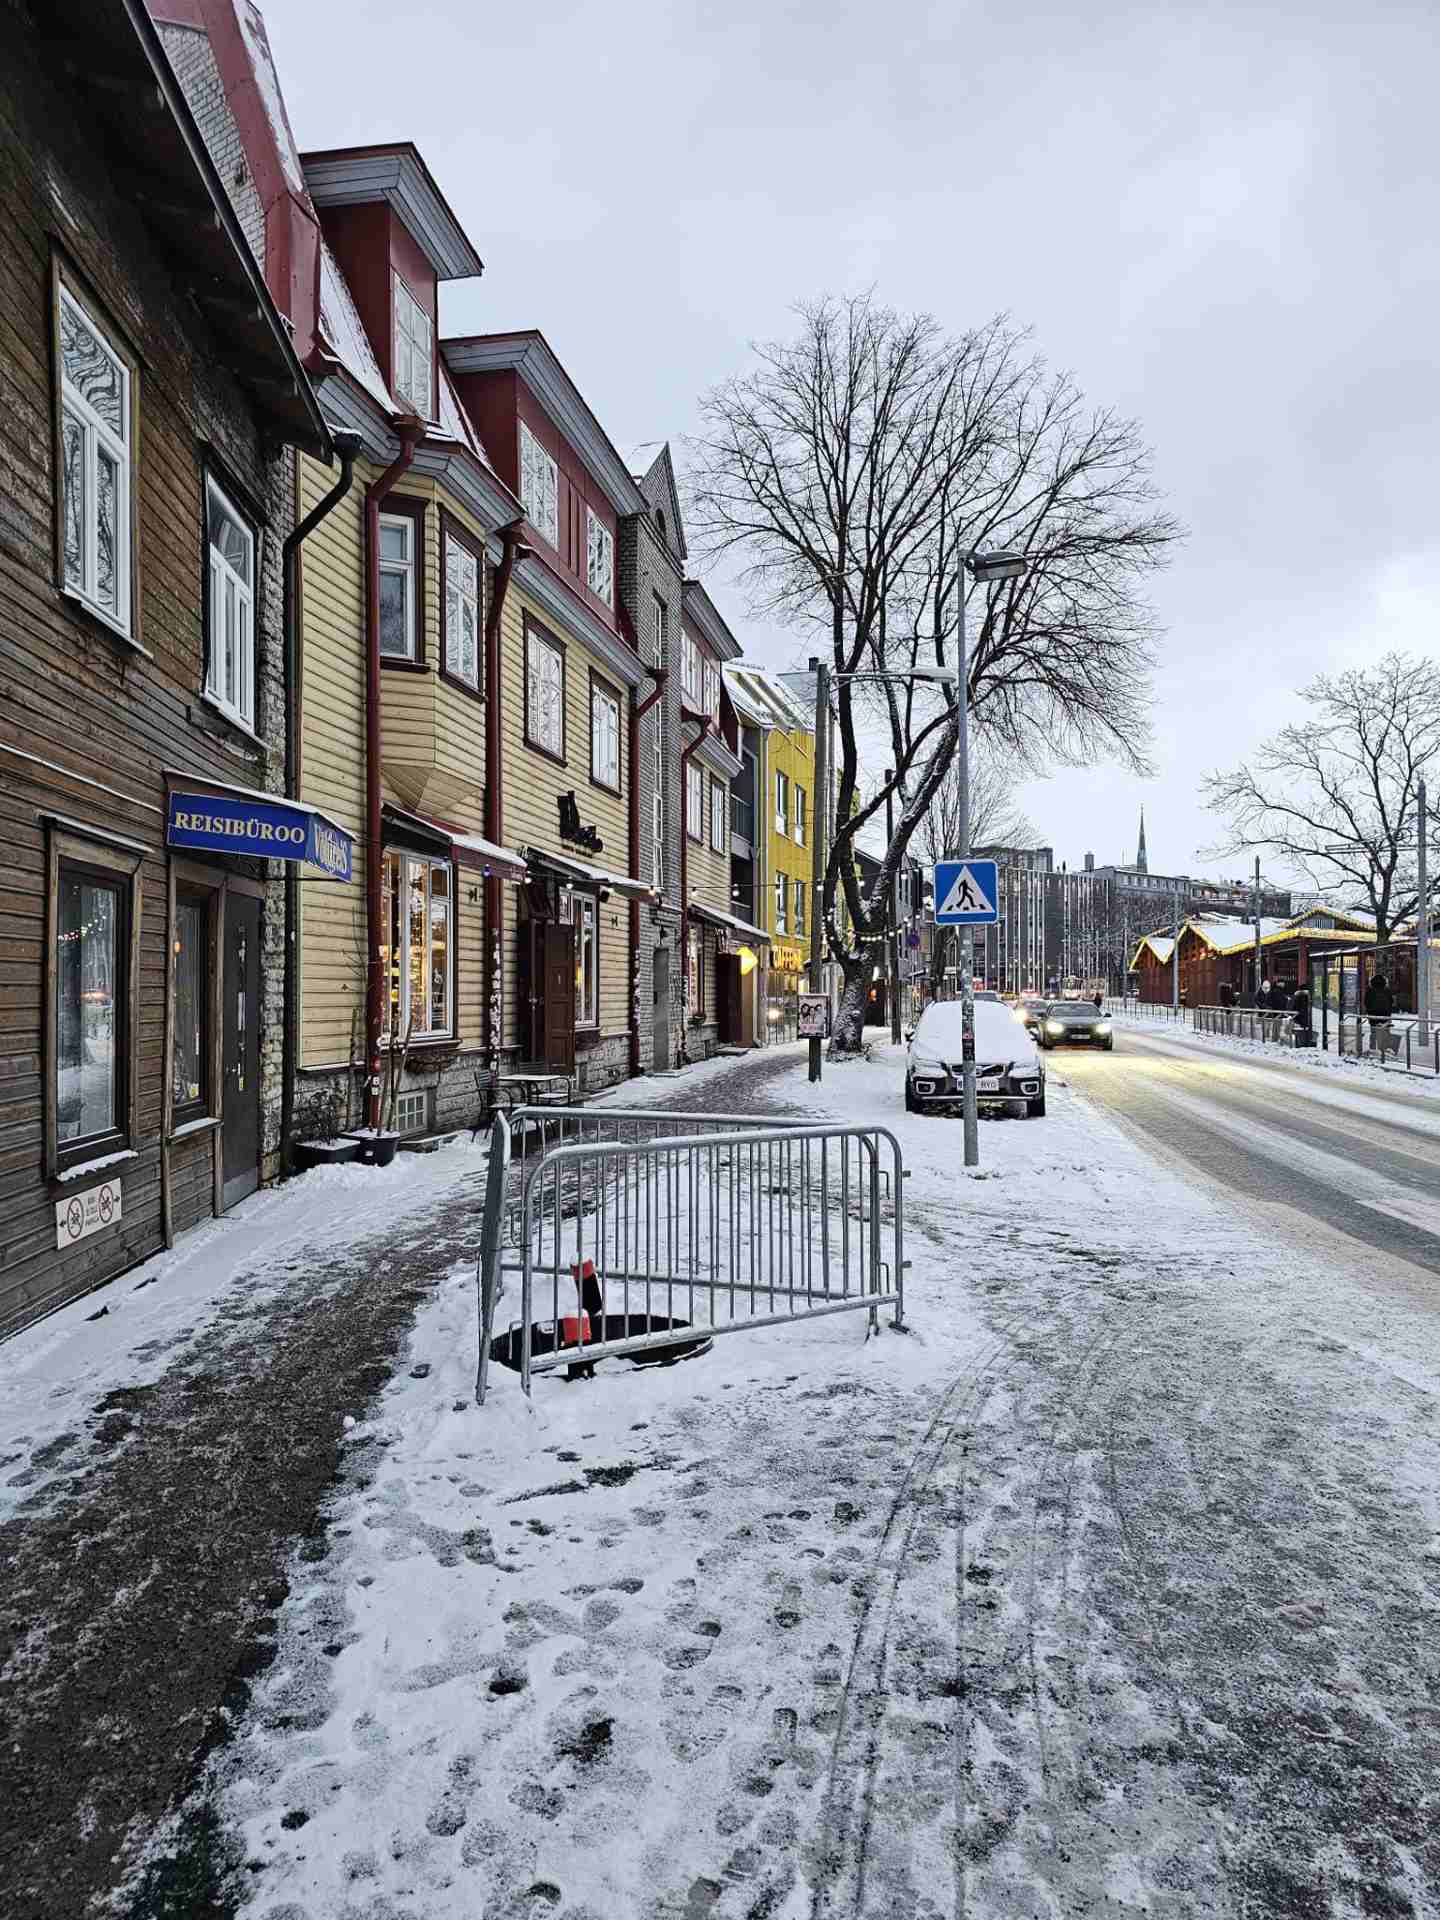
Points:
x=1076 y=1023
x=1008 y=1069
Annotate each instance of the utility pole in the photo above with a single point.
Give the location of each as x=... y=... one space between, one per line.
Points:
x=1175 y=952
x=967 y=936
x=819 y=824
x=1422 y=924
x=893 y=943
x=1259 y=957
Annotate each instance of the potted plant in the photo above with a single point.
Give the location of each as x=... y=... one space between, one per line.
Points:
x=378 y=1145
x=321 y=1144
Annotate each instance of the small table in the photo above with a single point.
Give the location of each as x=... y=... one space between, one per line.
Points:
x=510 y=1090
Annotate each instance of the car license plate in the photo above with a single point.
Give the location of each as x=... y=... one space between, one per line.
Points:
x=987 y=1084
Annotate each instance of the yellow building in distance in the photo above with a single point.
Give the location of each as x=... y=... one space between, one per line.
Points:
x=774 y=883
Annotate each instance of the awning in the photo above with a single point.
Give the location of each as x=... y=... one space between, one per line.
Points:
x=474 y=850
x=730 y=922
x=469 y=849
x=213 y=818
x=573 y=870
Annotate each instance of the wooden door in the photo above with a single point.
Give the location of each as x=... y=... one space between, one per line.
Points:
x=240 y=1049
x=727 y=998
x=558 y=996
x=660 y=1033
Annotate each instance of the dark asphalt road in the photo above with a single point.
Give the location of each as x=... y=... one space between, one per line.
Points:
x=1367 y=1170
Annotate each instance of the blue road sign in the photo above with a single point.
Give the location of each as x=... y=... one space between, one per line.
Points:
x=967 y=893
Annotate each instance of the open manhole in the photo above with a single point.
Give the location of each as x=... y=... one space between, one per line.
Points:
x=546 y=1337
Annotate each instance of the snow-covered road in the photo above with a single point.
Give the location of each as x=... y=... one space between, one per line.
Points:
x=1113 y=1586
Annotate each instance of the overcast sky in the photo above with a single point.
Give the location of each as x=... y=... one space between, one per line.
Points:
x=1221 y=218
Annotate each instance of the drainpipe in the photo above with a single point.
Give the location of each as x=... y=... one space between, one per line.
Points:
x=638 y=712
x=411 y=430
x=706 y=724
x=512 y=549
x=347 y=444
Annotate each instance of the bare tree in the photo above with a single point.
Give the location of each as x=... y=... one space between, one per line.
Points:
x=1335 y=795
x=995 y=821
x=852 y=470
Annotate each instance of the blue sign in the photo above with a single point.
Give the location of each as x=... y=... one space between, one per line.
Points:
x=267 y=829
x=967 y=893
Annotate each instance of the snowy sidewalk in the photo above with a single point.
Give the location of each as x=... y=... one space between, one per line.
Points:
x=1113 y=1585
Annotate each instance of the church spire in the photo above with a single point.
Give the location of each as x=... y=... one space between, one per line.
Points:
x=1141 y=864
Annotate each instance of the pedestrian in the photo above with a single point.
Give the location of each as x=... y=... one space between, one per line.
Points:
x=1379 y=1005
x=1279 y=997
x=1099 y=1001
x=1227 y=994
x=1300 y=1007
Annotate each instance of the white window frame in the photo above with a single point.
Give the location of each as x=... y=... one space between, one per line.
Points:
x=536 y=648
x=455 y=597
x=599 y=558
x=225 y=587
x=799 y=816
x=587 y=937
x=718 y=811
x=782 y=802
x=781 y=891
x=404 y=570
x=539 y=486
x=689 y=672
x=97 y=436
x=710 y=687
x=694 y=802
x=604 y=736
x=414 y=373
x=799 y=909
x=395 y=878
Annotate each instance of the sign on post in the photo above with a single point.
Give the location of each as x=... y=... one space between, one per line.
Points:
x=967 y=893
x=814 y=1016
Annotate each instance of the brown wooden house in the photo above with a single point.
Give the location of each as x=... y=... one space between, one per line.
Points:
x=150 y=390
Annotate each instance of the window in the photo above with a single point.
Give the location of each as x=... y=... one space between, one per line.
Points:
x=416 y=954
x=710 y=688
x=799 y=906
x=782 y=804
x=717 y=816
x=657 y=804
x=190 y=1074
x=544 y=694
x=780 y=926
x=689 y=672
x=604 y=737
x=94 y=475
x=695 y=977
x=694 y=801
x=399 y=626
x=657 y=840
x=587 y=962
x=539 y=483
x=90 y=997
x=414 y=336
x=230 y=681
x=599 y=558
x=462 y=610
x=412 y=1111
x=800 y=816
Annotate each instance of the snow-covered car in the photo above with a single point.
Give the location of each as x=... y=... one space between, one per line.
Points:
x=1076 y=1023
x=1008 y=1069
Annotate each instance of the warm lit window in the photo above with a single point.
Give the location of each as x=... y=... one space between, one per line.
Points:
x=416 y=955
x=397 y=587
x=780 y=896
x=599 y=558
x=539 y=487
x=94 y=476
x=544 y=694
x=800 y=816
x=694 y=801
x=717 y=816
x=799 y=906
x=231 y=608
x=414 y=350
x=782 y=803
x=189 y=1076
x=462 y=611
x=690 y=689
x=587 y=961
x=604 y=737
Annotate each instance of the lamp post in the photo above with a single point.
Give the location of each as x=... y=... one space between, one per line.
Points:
x=892 y=945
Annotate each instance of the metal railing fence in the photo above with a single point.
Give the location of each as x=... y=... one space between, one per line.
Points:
x=1143 y=1009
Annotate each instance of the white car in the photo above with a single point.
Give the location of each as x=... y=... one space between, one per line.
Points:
x=1009 y=1071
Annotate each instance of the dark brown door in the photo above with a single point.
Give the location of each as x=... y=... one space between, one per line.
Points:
x=660 y=1039
x=559 y=997
x=240 y=1048
x=727 y=997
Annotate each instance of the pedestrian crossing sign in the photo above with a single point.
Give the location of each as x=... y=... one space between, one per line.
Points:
x=966 y=893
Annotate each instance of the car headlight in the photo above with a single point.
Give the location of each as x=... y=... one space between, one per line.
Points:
x=931 y=1068
x=1054 y=1026
x=1103 y=1027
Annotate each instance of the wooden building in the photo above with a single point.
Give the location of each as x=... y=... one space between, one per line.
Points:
x=151 y=387
x=1217 y=956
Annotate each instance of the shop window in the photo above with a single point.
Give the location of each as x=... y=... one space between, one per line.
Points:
x=544 y=694
x=599 y=558
x=587 y=961
x=418 y=952
x=539 y=487
x=94 y=893
x=696 y=973
x=399 y=597
x=462 y=610
x=604 y=737
x=190 y=1067
x=93 y=476
x=717 y=816
x=230 y=607
x=694 y=801
x=414 y=350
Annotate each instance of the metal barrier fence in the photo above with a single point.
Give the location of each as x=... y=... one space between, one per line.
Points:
x=1246 y=1023
x=1144 y=1009
x=636 y=1232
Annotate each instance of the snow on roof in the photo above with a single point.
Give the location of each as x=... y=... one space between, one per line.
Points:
x=345 y=335
x=267 y=85
x=455 y=422
x=762 y=698
x=1233 y=936
x=1160 y=944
